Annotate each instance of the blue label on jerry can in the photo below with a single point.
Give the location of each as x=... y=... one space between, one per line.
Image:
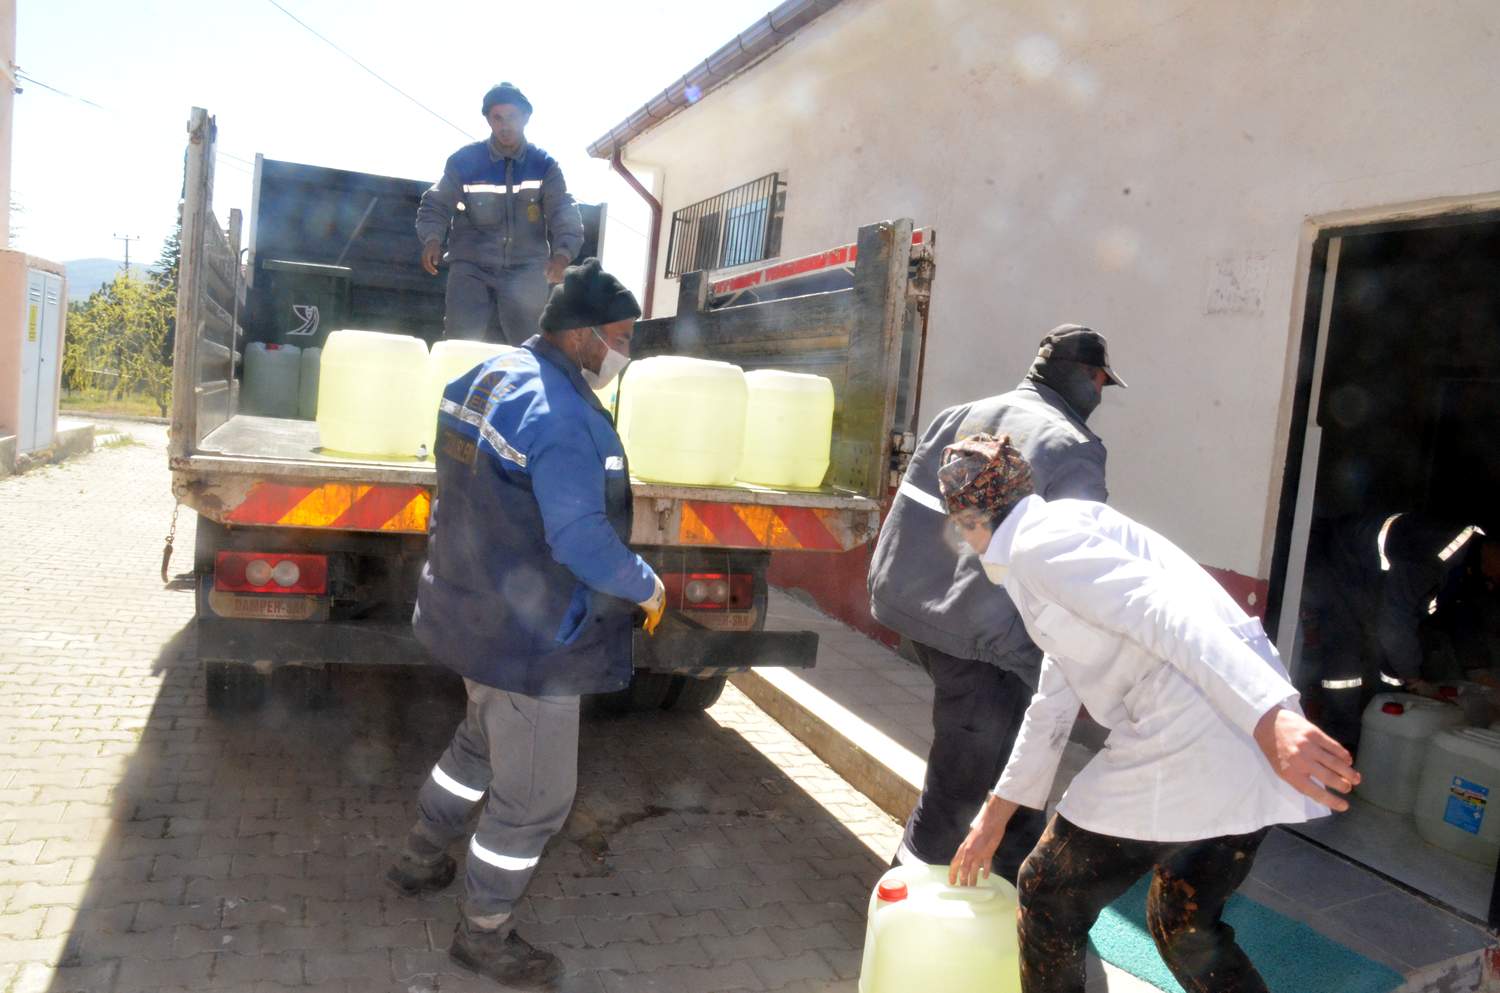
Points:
x=1466 y=802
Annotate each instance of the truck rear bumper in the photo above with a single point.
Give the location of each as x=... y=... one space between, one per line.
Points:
x=699 y=652
x=682 y=650
x=325 y=642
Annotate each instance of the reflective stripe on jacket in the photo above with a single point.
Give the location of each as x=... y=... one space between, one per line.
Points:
x=529 y=585
x=501 y=211
x=920 y=586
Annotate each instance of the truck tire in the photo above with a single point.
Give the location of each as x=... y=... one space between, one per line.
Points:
x=689 y=694
x=647 y=691
x=233 y=687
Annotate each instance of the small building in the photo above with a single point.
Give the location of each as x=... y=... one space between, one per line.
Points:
x=1285 y=218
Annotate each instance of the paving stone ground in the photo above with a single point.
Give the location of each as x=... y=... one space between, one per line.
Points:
x=146 y=845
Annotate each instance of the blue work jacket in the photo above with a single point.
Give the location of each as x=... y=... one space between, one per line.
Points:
x=529 y=585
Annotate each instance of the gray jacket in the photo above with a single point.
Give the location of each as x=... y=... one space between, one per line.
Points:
x=920 y=586
x=502 y=211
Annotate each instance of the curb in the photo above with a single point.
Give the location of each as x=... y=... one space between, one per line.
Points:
x=868 y=760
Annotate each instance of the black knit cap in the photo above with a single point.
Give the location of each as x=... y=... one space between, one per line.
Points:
x=588 y=297
x=505 y=93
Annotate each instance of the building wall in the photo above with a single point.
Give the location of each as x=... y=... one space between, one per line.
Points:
x=1144 y=168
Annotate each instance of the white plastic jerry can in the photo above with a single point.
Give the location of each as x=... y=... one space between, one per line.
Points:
x=924 y=936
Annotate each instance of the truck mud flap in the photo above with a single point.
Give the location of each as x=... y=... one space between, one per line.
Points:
x=701 y=652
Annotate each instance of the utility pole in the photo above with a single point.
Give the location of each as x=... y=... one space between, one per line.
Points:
x=127 y=239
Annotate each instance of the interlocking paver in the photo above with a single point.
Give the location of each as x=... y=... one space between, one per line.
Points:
x=148 y=845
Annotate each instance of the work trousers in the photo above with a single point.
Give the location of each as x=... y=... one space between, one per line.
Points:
x=501 y=304
x=1074 y=874
x=523 y=750
x=976 y=714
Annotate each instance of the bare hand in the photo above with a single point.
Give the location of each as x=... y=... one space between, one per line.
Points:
x=555 y=266
x=971 y=862
x=1306 y=757
x=432 y=254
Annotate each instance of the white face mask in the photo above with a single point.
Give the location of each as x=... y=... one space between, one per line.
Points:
x=995 y=572
x=614 y=363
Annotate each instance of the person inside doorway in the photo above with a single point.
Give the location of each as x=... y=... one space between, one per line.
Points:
x=1207 y=745
x=1401 y=601
x=510 y=224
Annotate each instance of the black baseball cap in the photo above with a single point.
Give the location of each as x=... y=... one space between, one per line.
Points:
x=1076 y=343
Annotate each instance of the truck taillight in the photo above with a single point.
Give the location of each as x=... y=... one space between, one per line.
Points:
x=709 y=590
x=270 y=572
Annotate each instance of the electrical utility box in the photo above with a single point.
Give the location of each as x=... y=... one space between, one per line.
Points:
x=33 y=313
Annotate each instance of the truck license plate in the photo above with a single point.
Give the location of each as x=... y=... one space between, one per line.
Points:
x=267 y=608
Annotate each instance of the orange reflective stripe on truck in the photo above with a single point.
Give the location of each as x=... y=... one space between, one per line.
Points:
x=734 y=525
x=343 y=506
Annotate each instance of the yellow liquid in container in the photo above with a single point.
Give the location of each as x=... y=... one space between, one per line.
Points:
x=448 y=361
x=683 y=420
x=372 y=395
x=940 y=938
x=788 y=429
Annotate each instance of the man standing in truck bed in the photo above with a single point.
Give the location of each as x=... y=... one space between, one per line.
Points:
x=512 y=227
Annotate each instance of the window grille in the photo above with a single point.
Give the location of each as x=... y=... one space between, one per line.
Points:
x=736 y=227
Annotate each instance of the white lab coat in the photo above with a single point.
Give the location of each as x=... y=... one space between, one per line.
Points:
x=1133 y=629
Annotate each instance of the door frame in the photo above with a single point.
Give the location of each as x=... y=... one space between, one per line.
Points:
x=1282 y=559
x=1298 y=436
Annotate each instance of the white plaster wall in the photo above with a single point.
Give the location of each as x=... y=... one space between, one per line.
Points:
x=1120 y=165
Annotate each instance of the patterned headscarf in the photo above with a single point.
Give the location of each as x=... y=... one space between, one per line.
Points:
x=983 y=473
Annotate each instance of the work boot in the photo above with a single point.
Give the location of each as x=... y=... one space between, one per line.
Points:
x=421 y=872
x=505 y=957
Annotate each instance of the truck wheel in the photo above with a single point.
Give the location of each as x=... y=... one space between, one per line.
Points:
x=233 y=687
x=689 y=694
x=647 y=691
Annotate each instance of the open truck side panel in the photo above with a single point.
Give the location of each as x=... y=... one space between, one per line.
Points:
x=357 y=528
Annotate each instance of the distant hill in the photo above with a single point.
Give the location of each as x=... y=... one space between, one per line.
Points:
x=87 y=275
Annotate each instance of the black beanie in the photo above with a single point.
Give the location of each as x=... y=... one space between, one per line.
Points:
x=588 y=297
x=505 y=93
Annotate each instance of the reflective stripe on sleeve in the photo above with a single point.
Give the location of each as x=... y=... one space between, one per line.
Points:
x=1385 y=529
x=917 y=495
x=1458 y=542
x=510 y=862
x=1343 y=684
x=453 y=786
x=1390 y=680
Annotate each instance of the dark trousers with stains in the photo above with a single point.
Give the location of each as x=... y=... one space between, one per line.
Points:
x=1074 y=874
x=976 y=714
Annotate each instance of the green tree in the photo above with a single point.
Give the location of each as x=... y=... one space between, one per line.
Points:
x=117 y=340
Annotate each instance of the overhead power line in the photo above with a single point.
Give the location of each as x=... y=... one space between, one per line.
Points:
x=367 y=69
x=26 y=77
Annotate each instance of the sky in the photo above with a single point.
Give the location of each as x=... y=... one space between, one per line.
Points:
x=106 y=160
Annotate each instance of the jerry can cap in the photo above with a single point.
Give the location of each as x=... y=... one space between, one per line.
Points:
x=892 y=891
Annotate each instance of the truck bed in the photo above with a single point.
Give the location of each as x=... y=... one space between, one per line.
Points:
x=274 y=446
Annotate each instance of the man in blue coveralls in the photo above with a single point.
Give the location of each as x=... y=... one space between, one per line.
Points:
x=530 y=593
x=511 y=225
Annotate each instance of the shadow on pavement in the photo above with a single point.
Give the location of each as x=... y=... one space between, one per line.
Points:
x=248 y=853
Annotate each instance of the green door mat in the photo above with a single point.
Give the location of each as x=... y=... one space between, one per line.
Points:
x=1292 y=957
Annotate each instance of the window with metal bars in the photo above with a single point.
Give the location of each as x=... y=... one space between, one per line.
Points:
x=736 y=227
